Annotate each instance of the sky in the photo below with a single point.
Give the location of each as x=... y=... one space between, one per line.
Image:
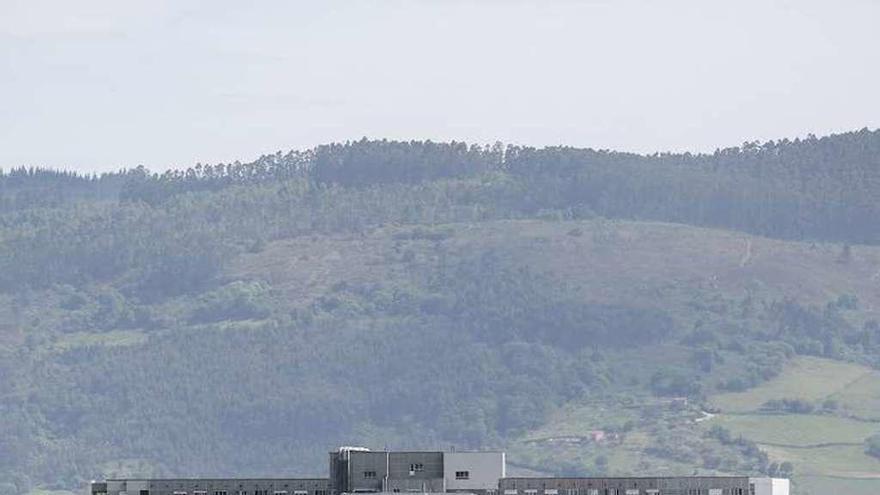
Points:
x=97 y=85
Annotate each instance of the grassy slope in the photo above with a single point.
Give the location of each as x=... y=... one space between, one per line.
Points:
x=862 y=397
x=566 y=438
x=816 y=444
x=610 y=261
x=805 y=378
x=797 y=430
x=841 y=467
x=637 y=263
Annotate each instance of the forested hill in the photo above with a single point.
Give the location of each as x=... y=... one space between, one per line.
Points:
x=819 y=188
x=813 y=188
x=242 y=319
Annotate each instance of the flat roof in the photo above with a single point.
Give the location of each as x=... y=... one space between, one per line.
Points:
x=689 y=476
x=423 y=451
x=213 y=479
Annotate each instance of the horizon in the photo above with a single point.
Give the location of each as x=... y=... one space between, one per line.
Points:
x=104 y=86
x=790 y=139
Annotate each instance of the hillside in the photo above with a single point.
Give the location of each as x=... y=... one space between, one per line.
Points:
x=826 y=446
x=241 y=320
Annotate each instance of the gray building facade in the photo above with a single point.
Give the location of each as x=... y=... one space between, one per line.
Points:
x=355 y=470
x=679 y=485
x=211 y=486
x=359 y=470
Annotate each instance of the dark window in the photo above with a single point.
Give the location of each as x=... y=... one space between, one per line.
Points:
x=145 y=492
x=462 y=475
x=369 y=474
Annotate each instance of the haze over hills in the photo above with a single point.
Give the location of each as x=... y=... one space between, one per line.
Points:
x=590 y=311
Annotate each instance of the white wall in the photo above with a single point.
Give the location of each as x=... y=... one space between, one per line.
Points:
x=485 y=469
x=770 y=486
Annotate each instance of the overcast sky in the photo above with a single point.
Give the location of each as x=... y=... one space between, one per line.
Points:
x=99 y=85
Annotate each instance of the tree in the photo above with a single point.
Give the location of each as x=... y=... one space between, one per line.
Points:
x=786 y=469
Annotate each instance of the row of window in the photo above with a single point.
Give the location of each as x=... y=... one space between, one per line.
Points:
x=633 y=491
x=242 y=492
x=459 y=475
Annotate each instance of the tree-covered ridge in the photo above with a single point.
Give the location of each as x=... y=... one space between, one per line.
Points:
x=24 y=188
x=813 y=188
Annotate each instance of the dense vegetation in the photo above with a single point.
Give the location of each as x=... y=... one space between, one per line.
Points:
x=138 y=334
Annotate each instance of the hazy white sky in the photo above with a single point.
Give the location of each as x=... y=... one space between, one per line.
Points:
x=98 y=85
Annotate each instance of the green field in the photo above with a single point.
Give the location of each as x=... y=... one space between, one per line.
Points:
x=862 y=397
x=807 y=378
x=842 y=462
x=796 y=429
x=815 y=443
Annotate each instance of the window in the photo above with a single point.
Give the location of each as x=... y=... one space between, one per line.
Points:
x=369 y=474
x=465 y=475
x=320 y=492
x=179 y=493
x=145 y=492
x=283 y=492
x=261 y=492
x=531 y=492
x=416 y=468
x=219 y=492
